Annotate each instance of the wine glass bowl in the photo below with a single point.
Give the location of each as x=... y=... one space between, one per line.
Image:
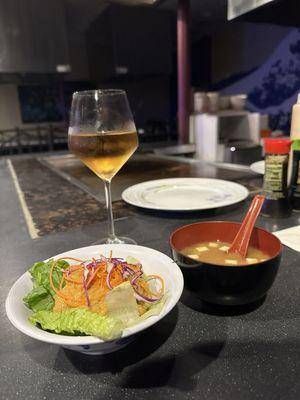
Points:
x=103 y=136
x=104 y=153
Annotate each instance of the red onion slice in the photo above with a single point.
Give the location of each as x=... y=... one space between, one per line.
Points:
x=140 y=296
x=109 y=270
x=85 y=275
x=136 y=276
x=109 y=266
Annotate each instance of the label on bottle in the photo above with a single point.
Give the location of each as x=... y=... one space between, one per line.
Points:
x=296 y=185
x=298 y=178
x=275 y=175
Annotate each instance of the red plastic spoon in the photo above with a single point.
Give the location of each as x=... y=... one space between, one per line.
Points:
x=241 y=241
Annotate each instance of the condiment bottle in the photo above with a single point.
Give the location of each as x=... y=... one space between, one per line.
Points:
x=277 y=203
x=295 y=199
x=295 y=122
x=295 y=133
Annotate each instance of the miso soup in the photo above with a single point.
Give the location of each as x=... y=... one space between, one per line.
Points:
x=216 y=252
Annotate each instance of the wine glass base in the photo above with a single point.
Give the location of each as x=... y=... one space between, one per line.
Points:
x=116 y=240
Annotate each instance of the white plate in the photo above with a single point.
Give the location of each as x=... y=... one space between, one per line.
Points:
x=153 y=262
x=258 y=167
x=184 y=194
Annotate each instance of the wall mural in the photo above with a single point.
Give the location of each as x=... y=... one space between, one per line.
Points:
x=40 y=103
x=48 y=103
x=273 y=87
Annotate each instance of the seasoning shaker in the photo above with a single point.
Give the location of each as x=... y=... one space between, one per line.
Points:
x=294 y=134
x=295 y=122
x=295 y=182
x=275 y=188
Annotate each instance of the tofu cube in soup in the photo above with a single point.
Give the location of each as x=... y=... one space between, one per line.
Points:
x=224 y=248
x=202 y=248
x=251 y=260
x=217 y=253
x=231 y=262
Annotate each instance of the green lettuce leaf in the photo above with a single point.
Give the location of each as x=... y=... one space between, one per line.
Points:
x=154 y=309
x=39 y=299
x=40 y=273
x=132 y=260
x=121 y=304
x=78 y=320
x=41 y=296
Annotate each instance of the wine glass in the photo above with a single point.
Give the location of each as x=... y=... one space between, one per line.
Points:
x=103 y=136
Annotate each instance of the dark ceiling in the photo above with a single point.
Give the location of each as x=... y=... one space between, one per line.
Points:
x=206 y=15
x=281 y=12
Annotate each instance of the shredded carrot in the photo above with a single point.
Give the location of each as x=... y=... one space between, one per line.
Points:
x=79 y=282
x=92 y=277
x=71 y=280
x=58 y=292
x=75 y=284
x=116 y=277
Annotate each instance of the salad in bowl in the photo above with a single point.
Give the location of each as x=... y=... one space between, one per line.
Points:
x=95 y=299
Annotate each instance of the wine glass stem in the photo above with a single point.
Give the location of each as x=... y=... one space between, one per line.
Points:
x=111 y=228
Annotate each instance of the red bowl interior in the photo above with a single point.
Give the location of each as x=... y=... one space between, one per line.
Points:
x=224 y=231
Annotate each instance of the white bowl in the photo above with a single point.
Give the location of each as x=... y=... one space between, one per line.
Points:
x=238 y=101
x=224 y=102
x=153 y=262
x=258 y=167
x=213 y=101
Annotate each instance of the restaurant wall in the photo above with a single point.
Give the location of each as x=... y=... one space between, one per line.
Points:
x=149 y=98
x=272 y=88
x=10 y=110
x=240 y=47
x=78 y=58
x=79 y=15
x=10 y=114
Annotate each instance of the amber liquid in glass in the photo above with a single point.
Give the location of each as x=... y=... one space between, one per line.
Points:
x=104 y=153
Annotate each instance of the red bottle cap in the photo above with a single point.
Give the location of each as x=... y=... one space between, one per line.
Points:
x=277 y=146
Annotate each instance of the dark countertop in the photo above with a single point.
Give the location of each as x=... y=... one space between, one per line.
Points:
x=252 y=353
